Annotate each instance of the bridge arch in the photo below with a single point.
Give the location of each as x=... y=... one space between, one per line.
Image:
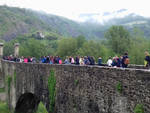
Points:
x=27 y=103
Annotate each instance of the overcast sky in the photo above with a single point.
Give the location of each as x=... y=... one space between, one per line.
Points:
x=72 y=8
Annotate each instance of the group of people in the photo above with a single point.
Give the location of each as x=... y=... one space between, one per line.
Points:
x=123 y=61
x=21 y=59
x=116 y=61
x=86 y=60
x=51 y=59
x=68 y=60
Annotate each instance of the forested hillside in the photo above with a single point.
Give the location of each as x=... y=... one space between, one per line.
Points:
x=17 y=21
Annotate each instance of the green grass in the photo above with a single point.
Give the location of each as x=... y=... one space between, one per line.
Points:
x=3 y=107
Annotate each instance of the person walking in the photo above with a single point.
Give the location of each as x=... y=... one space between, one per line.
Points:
x=147 y=59
x=125 y=60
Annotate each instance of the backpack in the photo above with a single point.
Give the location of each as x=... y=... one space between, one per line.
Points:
x=127 y=61
x=148 y=59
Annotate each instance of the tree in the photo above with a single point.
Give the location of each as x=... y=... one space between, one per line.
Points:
x=118 y=39
x=80 y=41
x=33 y=47
x=67 y=47
x=9 y=48
x=96 y=49
x=139 y=45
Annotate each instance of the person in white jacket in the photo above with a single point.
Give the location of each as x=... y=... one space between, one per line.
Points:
x=109 y=62
x=81 y=61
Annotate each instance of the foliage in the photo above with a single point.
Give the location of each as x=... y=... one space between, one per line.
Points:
x=80 y=41
x=52 y=36
x=33 y=47
x=76 y=82
x=119 y=87
x=139 y=44
x=96 y=49
x=67 y=47
x=30 y=46
x=52 y=90
x=136 y=52
x=118 y=38
x=8 y=48
x=41 y=108
x=4 y=107
x=139 y=108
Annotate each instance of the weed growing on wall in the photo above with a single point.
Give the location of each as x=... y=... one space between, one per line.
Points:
x=52 y=90
x=9 y=79
x=76 y=82
x=139 y=108
x=41 y=108
x=119 y=87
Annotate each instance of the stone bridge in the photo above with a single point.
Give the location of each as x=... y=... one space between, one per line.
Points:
x=78 y=89
x=75 y=89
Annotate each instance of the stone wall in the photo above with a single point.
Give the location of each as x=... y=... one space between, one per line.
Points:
x=96 y=91
x=2 y=86
x=81 y=89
